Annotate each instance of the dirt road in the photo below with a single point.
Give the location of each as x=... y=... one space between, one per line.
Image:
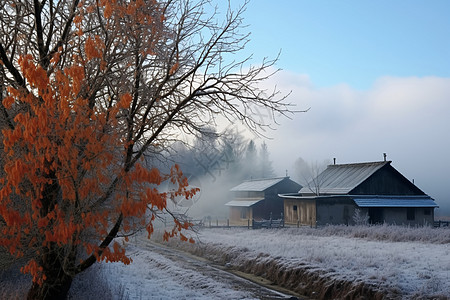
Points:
x=194 y=270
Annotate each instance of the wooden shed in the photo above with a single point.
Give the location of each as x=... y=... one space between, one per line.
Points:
x=375 y=189
x=259 y=199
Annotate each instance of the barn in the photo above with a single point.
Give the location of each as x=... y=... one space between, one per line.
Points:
x=346 y=193
x=259 y=199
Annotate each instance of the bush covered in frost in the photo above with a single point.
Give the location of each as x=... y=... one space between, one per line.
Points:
x=391 y=233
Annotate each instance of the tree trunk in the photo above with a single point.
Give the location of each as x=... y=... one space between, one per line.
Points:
x=54 y=258
x=57 y=283
x=56 y=291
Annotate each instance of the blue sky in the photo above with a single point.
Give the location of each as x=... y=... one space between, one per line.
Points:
x=375 y=75
x=353 y=42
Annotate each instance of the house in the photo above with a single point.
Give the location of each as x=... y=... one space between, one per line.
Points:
x=258 y=199
x=345 y=192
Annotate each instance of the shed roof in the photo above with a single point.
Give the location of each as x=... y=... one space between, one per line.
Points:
x=244 y=203
x=343 y=178
x=257 y=185
x=394 y=201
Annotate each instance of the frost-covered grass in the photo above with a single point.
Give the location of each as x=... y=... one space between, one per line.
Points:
x=150 y=276
x=155 y=276
x=413 y=261
x=388 y=233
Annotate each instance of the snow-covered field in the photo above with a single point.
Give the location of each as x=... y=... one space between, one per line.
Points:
x=157 y=272
x=415 y=262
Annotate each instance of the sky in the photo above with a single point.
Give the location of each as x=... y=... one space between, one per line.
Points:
x=374 y=77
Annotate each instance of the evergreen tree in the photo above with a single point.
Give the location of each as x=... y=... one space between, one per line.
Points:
x=250 y=165
x=265 y=165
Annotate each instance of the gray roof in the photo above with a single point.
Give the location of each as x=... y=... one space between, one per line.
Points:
x=341 y=179
x=257 y=185
x=244 y=203
x=394 y=201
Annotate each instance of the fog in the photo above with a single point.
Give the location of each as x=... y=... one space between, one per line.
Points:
x=215 y=161
x=407 y=118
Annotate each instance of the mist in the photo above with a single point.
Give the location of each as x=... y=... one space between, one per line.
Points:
x=215 y=162
x=406 y=118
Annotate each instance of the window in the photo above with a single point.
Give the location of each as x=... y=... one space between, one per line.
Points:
x=295 y=207
x=410 y=214
x=244 y=213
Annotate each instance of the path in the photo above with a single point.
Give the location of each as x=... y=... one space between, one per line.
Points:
x=158 y=272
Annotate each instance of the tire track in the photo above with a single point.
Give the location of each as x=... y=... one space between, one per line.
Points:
x=236 y=281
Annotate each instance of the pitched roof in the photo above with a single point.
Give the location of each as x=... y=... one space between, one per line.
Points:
x=257 y=185
x=343 y=178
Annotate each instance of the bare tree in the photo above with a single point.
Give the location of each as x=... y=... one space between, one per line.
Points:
x=360 y=218
x=88 y=88
x=310 y=174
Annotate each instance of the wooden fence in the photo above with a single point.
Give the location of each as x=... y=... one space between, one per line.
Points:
x=250 y=223
x=257 y=224
x=441 y=223
x=271 y=223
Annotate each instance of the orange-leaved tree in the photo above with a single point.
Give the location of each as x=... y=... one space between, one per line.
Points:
x=88 y=89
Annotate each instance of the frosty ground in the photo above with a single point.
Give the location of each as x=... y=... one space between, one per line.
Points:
x=414 y=262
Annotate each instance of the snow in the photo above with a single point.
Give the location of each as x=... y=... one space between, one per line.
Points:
x=413 y=268
x=418 y=266
x=155 y=276
x=416 y=262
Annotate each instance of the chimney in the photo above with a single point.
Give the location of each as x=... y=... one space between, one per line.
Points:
x=384 y=155
x=334 y=160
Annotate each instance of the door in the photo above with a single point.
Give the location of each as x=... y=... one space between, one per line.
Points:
x=376 y=215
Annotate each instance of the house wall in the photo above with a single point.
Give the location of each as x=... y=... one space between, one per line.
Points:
x=301 y=212
x=248 y=194
x=236 y=214
x=399 y=216
x=335 y=211
x=262 y=209
x=387 y=181
x=271 y=206
x=284 y=187
x=274 y=205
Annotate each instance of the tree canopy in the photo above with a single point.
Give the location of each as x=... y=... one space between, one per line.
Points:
x=88 y=89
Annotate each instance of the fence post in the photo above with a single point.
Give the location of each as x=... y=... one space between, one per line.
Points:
x=248 y=223
x=228 y=223
x=270 y=220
